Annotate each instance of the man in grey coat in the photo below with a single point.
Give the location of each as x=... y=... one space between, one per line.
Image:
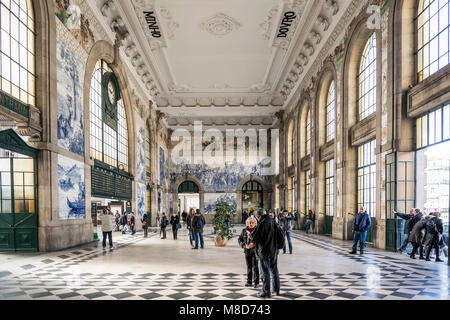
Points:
x=107 y=226
x=412 y=218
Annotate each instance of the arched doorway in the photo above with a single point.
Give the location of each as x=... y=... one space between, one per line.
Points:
x=252 y=196
x=188 y=196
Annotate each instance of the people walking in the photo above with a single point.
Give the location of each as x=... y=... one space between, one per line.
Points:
x=361 y=225
x=416 y=238
x=144 y=221
x=106 y=218
x=198 y=222
x=164 y=224
x=411 y=220
x=244 y=217
x=250 y=254
x=434 y=229
x=264 y=240
x=286 y=224
x=124 y=222
x=174 y=221
x=189 y=218
x=310 y=218
x=133 y=223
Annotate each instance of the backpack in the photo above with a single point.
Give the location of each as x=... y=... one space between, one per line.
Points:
x=431 y=226
x=279 y=237
x=200 y=223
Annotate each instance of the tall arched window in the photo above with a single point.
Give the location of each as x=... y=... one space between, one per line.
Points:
x=433 y=37
x=331 y=98
x=291 y=144
x=308 y=133
x=368 y=79
x=17 y=59
x=108 y=144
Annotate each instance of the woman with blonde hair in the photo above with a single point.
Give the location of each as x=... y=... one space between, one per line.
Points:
x=250 y=254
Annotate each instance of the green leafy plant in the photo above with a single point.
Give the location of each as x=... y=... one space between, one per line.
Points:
x=223 y=210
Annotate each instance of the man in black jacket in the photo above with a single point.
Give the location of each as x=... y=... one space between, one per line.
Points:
x=264 y=240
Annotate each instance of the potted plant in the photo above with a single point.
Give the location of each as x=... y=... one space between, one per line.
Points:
x=223 y=230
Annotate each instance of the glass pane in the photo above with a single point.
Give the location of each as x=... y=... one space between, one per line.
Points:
x=29 y=206
x=18 y=179
x=29 y=179
x=6 y=192
x=18 y=193
x=6 y=206
x=24 y=165
x=19 y=206
x=5 y=164
x=6 y=179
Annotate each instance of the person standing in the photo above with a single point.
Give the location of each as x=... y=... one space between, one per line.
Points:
x=117 y=221
x=361 y=225
x=107 y=226
x=198 y=222
x=144 y=221
x=189 y=218
x=409 y=224
x=434 y=230
x=164 y=223
x=124 y=222
x=296 y=219
x=133 y=223
x=174 y=221
x=310 y=218
x=286 y=224
x=250 y=254
x=264 y=240
x=184 y=216
x=244 y=217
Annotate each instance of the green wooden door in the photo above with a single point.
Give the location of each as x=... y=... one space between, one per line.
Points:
x=329 y=225
x=370 y=231
x=18 y=194
x=391 y=197
x=391 y=234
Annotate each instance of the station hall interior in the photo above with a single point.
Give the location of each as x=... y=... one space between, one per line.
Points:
x=162 y=106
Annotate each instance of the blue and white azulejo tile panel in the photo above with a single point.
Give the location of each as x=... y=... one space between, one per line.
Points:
x=71 y=187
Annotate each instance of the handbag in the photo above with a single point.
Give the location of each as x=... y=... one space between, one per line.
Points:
x=178 y=225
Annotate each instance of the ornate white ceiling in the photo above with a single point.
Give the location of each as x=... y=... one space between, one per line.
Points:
x=223 y=58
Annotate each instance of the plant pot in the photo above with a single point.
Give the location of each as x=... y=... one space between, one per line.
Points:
x=220 y=242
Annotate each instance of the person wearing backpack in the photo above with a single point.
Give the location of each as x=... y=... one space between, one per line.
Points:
x=198 y=222
x=286 y=223
x=266 y=239
x=361 y=225
x=250 y=254
x=174 y=221
x=434 y=230
x=164 y=223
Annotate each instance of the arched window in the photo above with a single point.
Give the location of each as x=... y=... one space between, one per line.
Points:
x=308 y=133
x=330 y=112
x=108 y=144
x=17 y=59
x=291 y=144
x=368 y=79
x=433 y=37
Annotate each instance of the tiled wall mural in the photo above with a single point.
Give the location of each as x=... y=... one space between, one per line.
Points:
x=141 y=199
x=163 y=167
x=212 y=199
x=70 y=73
x=225 y=178
x=71 y=189
x=140 y=163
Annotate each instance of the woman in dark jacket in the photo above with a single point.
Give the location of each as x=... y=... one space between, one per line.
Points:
x=174 y=221
x=189 y=218
x=434 y=230
x=250 y=254
x=144 y=221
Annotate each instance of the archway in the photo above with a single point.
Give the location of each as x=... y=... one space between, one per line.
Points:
x=252 y=196
x=188 y=187
x=188 y=196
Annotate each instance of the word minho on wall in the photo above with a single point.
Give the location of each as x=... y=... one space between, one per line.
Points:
x=152 y=24
x=286 y=24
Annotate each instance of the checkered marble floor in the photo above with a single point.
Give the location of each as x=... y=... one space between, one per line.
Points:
x=65 y=275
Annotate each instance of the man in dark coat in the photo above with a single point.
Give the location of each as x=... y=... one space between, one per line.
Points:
x=361 y=225
x=164 y=223
x=412 y=218
x=434 y=229
x=198 y=222
x=416 y=237
x=264 y=240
